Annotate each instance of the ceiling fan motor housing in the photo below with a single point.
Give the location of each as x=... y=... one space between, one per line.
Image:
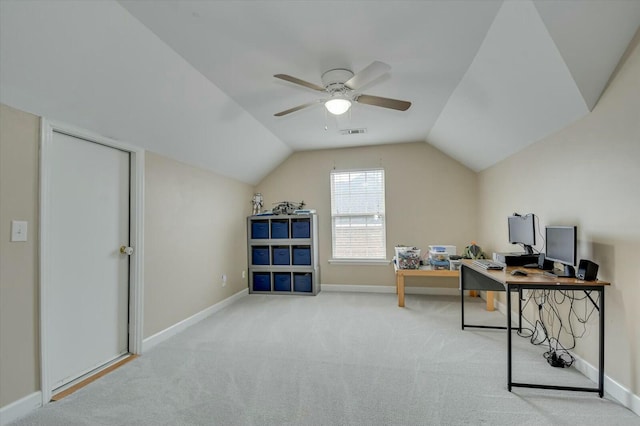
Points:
x=333 y=80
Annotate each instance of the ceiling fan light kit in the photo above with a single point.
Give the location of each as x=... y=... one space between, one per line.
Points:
x=337 y=106
x=334 y=83
x=342 y=84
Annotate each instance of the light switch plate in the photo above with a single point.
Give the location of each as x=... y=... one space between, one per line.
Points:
x=18 y=230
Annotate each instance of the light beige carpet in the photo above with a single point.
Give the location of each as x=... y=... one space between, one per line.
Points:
x=336 y=359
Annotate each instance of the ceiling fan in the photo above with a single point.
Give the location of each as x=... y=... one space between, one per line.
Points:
x=342 y=87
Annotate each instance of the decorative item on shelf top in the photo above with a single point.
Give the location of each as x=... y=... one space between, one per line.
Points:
x=407 y=257
x=473 y=251
x=439 y=256
x=287 y=207
x=257 y=202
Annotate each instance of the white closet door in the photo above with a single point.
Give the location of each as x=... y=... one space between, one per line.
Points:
x=88 y=277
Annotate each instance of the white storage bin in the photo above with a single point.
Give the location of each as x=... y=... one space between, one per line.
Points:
x=441 y=248
x=408 y=257
x=454 y=265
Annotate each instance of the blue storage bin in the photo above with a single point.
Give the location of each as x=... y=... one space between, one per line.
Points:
x=280 y=228
x=261 y=281
x=281 y=255
x=282 y=281
x=260 y=255
x=302 y=282
x=300 y=228
x=302 y=255
x=260 y=229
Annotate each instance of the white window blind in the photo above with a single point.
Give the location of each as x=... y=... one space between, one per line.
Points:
x=357 y=214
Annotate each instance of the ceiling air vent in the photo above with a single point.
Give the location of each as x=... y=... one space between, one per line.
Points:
x=352 y=131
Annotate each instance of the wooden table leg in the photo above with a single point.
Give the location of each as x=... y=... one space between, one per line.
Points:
x=401 y=290
x=490 y=306
x=473 y=293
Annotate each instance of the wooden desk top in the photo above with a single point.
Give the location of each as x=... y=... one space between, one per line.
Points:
x=535 y=276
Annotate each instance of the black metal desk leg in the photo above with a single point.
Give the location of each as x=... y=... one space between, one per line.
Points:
x=519 y=310
x=509 y=337
x=601 y=362
x=462 y=307
x=461 y=297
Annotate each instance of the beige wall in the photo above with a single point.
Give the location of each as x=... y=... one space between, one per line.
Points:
x=430 y=199
x=586 y=175
x=19 y=339
x=195 y=231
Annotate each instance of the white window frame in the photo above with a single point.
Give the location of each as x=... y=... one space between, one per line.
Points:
x=380 y=213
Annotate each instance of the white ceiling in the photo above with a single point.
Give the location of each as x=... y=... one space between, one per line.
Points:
x=193 y=80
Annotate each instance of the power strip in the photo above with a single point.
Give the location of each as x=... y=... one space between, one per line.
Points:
x=555 y=361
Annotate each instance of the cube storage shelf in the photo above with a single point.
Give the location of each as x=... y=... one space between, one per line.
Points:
x=283 y=254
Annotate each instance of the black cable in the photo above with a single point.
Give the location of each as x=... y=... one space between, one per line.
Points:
x=542 y=237
x=549 y=317
x=533 y=333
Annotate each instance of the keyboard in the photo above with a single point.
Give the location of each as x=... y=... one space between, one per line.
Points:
x=487 y=264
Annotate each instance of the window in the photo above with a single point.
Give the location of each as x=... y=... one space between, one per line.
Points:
x=357 y=214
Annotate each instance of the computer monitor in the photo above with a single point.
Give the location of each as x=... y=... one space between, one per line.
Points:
x=522 y=230
x=562 y=247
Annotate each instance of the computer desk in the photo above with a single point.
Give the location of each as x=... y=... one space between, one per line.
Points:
x=475 y=278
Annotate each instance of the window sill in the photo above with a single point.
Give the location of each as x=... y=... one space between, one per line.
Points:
x=372 y=262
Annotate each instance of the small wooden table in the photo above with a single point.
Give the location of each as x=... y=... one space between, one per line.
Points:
x=426 y=271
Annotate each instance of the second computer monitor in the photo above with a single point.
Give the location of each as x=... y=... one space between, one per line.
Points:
x=522 y=230
x=562 y=247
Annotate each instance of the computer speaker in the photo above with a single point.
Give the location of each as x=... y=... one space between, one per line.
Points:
x=587 y=270
x=543 y=263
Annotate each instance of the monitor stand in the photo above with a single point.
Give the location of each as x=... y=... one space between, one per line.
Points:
x=568 y=272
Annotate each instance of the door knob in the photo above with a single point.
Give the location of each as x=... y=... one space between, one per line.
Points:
x=126 y=250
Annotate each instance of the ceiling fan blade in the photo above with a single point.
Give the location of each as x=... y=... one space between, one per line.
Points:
x=300 y=82
x=370 y=73
x=384 y=102
x=297 y=108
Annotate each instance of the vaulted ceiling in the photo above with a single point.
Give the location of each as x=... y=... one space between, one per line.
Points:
x=193 y=80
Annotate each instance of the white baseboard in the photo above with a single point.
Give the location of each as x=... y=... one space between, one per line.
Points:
x=20 y=408
x=163 y=335
x=437 y=291
x=618 y=392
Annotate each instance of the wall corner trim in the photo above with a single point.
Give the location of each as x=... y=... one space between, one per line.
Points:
x=20 y=408
x=171 y=331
